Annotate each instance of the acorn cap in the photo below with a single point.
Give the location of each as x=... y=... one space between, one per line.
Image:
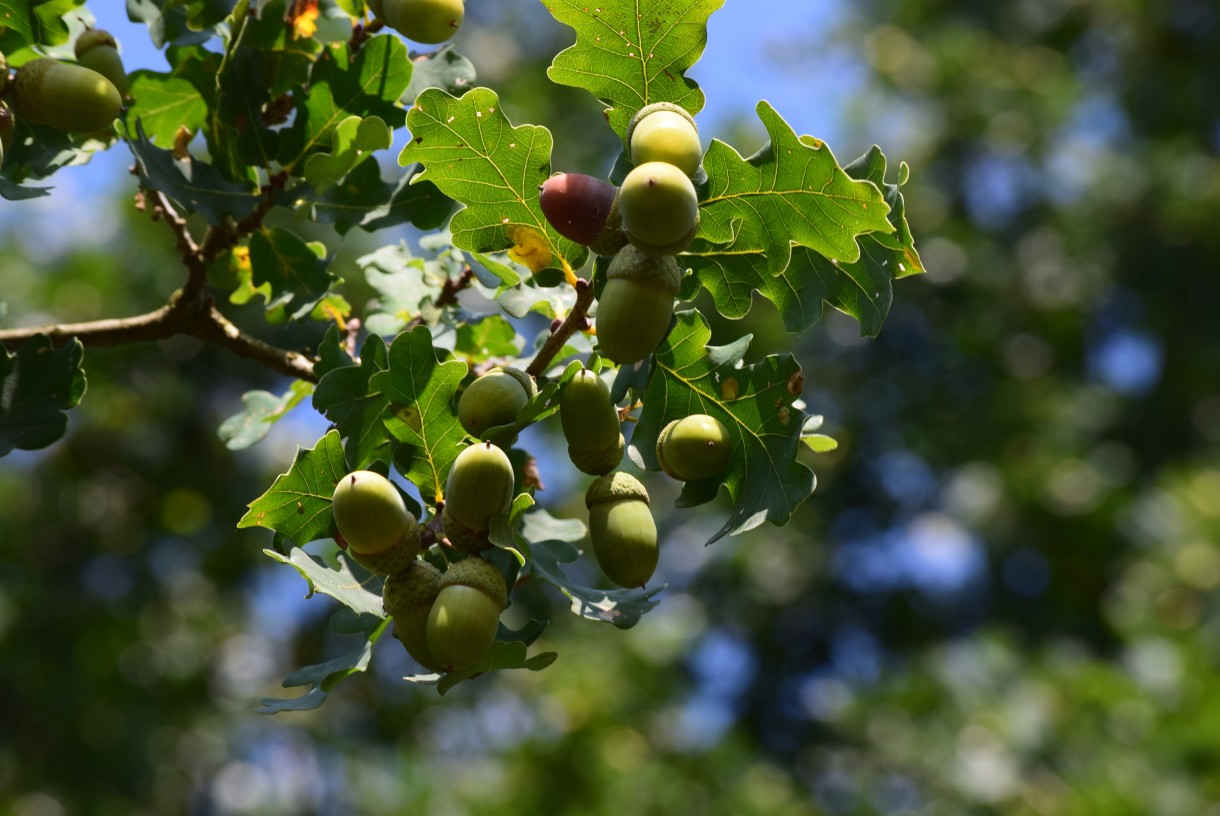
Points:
x=461 y=536
x=617 y=486
x=411 y=589
x=660 y=271
x=392 y=560
x=598 y=462
x=479 y=574
x=653 y=108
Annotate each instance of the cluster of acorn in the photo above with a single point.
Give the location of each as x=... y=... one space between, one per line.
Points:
x=448 y=620
x=643 y=224
x=422 y=21
x=77 y=98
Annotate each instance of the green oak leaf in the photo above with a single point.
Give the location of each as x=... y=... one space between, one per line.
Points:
x=345 y=397
x=443 y=68
x=404 y=286
x=340 y=85
x=352 y=140
x=38 y=383
x=862 y=289
x=194 y=185
x=298 y=272
x=297 y=505
x=755 y=404
x=630 y=55
x=788 y=193
x=621 y=607
x=474 y=155
x=165 y=102
x=17 y=17
x=12 y=191
x=362 y=199
x=49 y=16
x=422 y=418
x=261 y=410
x=482 y=340
x=170 y=21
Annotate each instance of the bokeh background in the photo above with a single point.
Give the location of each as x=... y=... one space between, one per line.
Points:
x=1003 y=597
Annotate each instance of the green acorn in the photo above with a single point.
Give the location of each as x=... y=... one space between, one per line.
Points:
x=479 y=486
x=659 y=208
x=67 y=97
x=694 y=447
x=665 y=132
x=464 y=617
x=371 y=516
x=422 y=21
x=636 y=304
x=407 y=598
x=493 y=401
x=590 y=424
x=622 y=529
x=97 y=50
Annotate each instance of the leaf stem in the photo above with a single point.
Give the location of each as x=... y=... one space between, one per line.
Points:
x=577 y=320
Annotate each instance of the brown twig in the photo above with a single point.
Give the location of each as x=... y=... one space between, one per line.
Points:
x=190 y=310
x=577 y=320
x=448 y=295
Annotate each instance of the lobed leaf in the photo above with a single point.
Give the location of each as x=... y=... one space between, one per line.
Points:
x=789 y=193
x=297 y=272
x=621 y=607
x=260 y=411
x=194 y=185
x=38 y=384
x=630 y=55
x=474 y=155
x=297 y=505
x=422 y=417
x=357 y=410
x=755 y=404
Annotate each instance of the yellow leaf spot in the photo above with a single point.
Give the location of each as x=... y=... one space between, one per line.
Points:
x=241 y=258
x=304 y=17
x=729 y=388
x=529 y=248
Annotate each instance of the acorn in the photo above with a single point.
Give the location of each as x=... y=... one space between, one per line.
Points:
x=659 y=208
x=494 y=400
x=422 y=21
x=622 y=530
x=590 y=424
x=407 y=597
x=479 y=486
x=97 y=50
x=464 y=617
x=694 y=447
x=665 y=132
x=636 y=304
x=583 y=209
x=67 y=97
x=381 y=535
